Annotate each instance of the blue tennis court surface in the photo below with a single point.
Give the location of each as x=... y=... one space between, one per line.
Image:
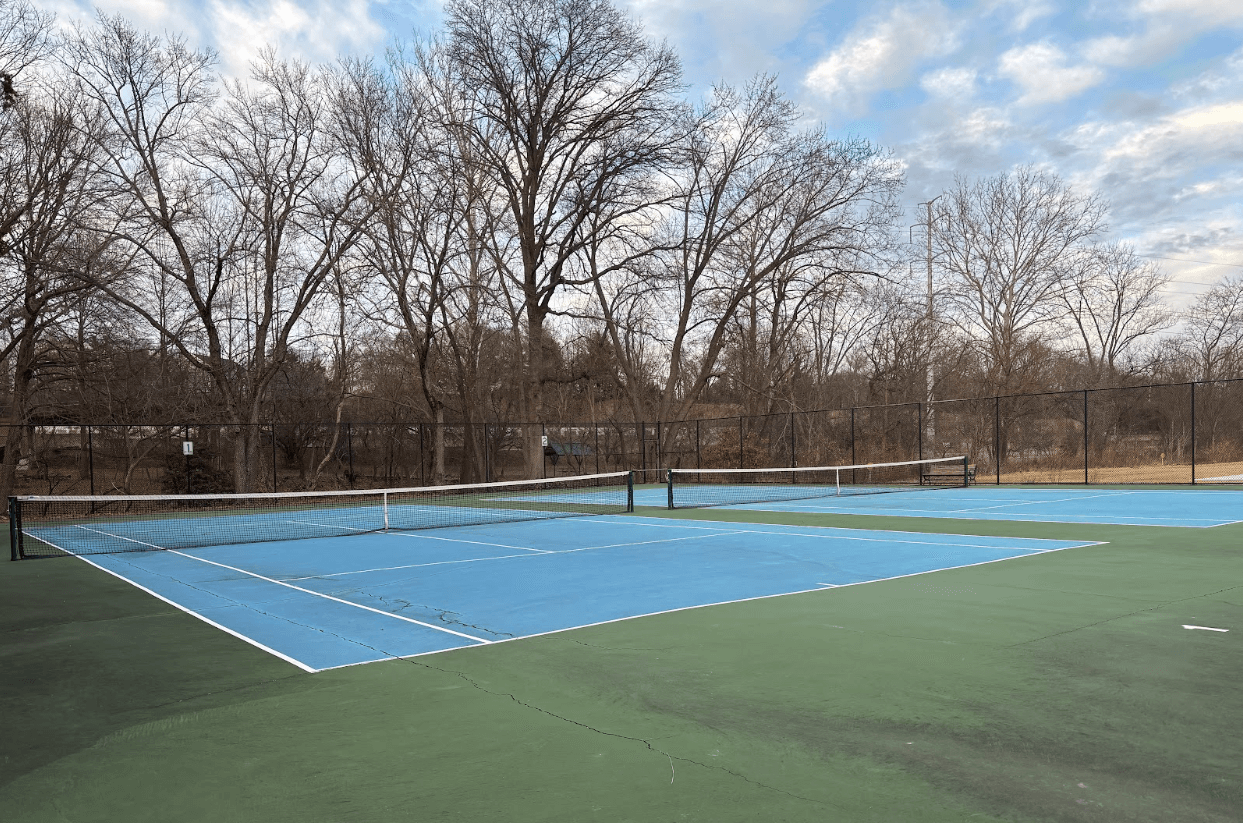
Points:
x=329 y=602
x=1188 y=508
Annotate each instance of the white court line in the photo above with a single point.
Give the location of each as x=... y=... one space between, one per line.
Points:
x=1043 y=502
x=504 y=557
x=872 y=539
x=195 y=614
x=1186 y=523
x=1205 y=628
x=329 y=597
x=421 y=536
x=701 y=606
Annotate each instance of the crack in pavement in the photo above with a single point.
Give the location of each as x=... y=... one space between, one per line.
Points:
x=647 y=743
x=1157 y=607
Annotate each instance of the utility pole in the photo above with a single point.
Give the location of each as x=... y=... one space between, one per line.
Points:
x=929 y=417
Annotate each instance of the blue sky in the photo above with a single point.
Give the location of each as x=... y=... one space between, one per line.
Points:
x=1141 y=101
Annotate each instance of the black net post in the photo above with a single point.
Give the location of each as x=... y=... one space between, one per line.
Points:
x=630 y=491
x=15 y=529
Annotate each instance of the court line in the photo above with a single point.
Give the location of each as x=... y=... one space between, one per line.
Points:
x=819 y=588
x=195 y=614
x=505 y=556
x=1186 y=523
x=398 y=532
x=329 y=597
x=716 y=532
x=874 y=539
x=1043 y=502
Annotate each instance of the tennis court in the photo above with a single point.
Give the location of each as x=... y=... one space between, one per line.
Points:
x=329 y=602
x=999 y=667
x=1181 y=508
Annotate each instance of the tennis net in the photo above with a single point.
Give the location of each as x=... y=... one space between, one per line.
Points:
x=104 y=524
x=691 y=488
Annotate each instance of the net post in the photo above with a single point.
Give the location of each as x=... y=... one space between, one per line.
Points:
x=966 y=472
x=837 y=477
x=15 y=529
x=630 y=491
x=669 y=485
x=385 y=505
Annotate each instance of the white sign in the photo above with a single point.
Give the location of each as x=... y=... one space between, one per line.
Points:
x=545 y=439
x=187 y=447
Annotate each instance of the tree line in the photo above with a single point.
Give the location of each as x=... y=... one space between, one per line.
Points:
x=523 y=217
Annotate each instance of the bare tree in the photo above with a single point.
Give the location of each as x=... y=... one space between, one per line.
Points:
x=754 y=203
x=567 y=100
x=244 y=210
x=1210 y=341
x=52 y=160
x=1113 y=301
x=1007 y=246
x=25 y=39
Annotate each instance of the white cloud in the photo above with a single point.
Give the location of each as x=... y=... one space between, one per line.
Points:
x=1212 y=12
x=951 y=83
x=1040 y=70
x=1022 y=13
x=315 y=32
x=882 y=53
x=1198 y=133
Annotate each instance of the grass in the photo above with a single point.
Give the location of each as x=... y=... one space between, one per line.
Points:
x=1059 y=687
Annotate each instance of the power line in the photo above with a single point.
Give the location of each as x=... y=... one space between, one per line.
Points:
x=1184 y=260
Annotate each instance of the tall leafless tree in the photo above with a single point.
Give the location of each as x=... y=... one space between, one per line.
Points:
x=1113 y=301
x=567 y=99
x=244 y=209
x=1008 y=247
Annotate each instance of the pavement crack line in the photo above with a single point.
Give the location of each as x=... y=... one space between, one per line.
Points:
x=647 y=743
x=1157 y=607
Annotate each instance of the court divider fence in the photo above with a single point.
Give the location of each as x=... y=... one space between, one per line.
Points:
x=1187 y=433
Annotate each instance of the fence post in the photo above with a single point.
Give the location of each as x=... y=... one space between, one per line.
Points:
x=660 y=447
x=595 y=427
x=741 y=460
x=997 y=437
x=422 y=476
x=698 y=457
x=349 y=446
x=793 y=453
x=185 y=436
x=919 y=428
x=90 y=456
x=1193 y=433
x=1085 y=437
x=275 y=484
x=854 y=459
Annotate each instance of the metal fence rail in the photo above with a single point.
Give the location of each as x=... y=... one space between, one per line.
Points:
x=1175 y=433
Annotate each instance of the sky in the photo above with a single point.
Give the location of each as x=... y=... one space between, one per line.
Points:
x=1140 y=101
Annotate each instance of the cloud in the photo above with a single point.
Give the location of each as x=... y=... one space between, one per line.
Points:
x=311 y=31
x=1022 y=13
x=1040 y=70
x=951 y=83
x=1211 y=12
x=882 y=54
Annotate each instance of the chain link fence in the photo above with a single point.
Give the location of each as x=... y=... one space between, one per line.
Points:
x=1179 y=433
